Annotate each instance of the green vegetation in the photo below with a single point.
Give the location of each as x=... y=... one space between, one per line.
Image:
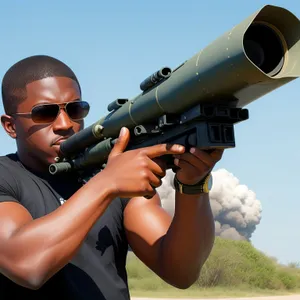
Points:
x=234 y=268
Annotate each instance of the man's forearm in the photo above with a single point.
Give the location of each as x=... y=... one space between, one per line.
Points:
x=189 y=240
x=52 y=240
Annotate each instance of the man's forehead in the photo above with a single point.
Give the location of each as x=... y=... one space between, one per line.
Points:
x=52 y=84
x=50 y=90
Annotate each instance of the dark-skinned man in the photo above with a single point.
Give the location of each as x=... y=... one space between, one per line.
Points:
x=61 y=238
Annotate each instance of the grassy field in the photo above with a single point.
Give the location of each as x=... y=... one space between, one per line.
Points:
x=235 y=268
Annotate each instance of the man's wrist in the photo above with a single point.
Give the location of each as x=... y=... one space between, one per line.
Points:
x=103 y=185
x=201 y=187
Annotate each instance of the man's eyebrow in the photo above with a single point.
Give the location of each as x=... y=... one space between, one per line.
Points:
x=50 y=101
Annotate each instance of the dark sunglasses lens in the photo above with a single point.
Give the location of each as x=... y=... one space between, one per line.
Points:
x=78 y=110
x=44 y=113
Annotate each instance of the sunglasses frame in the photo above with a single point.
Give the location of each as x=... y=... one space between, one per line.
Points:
x=60 y=106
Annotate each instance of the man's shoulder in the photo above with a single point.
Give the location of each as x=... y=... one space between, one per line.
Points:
x=10 y=178
x=11 y=171
x=9 y=162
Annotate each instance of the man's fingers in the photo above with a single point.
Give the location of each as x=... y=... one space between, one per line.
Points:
x=163 y=149
x=150 y=196
x=208 y=158
x=121 y=143
x=151 y=192
x=195 y=161
x=158 y=167
x=191 y=170
x=155 y=181
x=217 y=154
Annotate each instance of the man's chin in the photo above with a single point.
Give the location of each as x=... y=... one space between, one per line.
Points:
x=56 y=149
x=54 y=154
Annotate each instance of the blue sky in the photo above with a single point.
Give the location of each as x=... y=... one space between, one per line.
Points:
x=112 y=46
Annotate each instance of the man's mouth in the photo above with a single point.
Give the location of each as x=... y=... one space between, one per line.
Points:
x=59 y=141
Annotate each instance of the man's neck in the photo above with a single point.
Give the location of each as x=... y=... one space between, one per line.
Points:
x=33 y=165
x=41 y=170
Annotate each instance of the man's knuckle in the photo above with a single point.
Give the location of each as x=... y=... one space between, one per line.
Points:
x=142 y=153
x=140 y=159
x=144 y=164
x=145 y=174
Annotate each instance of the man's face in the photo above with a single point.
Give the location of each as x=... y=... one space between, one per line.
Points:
x=41 y=141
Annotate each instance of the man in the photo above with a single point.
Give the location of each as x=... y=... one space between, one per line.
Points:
x=59 y=237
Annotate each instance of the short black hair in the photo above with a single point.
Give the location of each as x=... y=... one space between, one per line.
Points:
x=28 y=70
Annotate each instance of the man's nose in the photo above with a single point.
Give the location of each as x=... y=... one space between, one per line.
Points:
x=62 y=122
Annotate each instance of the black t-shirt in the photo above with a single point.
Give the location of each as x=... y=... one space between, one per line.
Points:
x=97 y=271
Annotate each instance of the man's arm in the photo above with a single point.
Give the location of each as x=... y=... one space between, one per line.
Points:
x=31 y=251
x=175 y=249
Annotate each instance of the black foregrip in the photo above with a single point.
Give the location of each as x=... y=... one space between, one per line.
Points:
x=78 y=142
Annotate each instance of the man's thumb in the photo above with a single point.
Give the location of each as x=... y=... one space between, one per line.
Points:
x=121 y=143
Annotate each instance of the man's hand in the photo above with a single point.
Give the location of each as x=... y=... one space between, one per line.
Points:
x=135 y=173
x=196 y=164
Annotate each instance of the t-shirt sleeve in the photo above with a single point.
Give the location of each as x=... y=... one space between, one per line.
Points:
x=124 y=202
x=8 y=186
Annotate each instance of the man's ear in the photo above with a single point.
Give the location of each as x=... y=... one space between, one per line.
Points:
x=9 y=125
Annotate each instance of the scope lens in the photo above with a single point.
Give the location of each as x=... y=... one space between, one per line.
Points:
x=264 y=48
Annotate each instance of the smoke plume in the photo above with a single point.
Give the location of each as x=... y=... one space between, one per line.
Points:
x=236 y=210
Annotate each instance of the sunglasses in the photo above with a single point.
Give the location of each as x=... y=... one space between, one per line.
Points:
x=47 y=113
